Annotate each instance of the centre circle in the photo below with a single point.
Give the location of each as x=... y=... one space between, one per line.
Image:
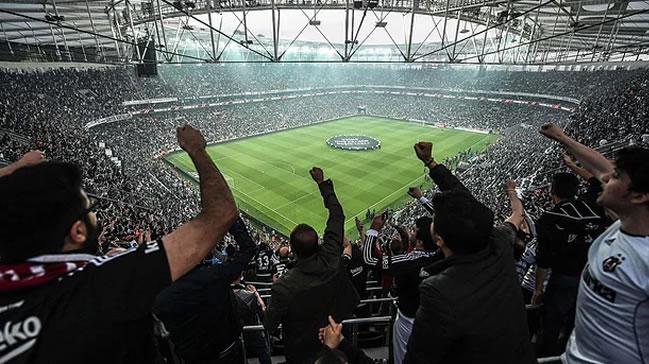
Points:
x=354 y=142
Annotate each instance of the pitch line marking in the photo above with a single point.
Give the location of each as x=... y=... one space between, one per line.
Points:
x=296 y=200
x=385 y=198
x=185 y=164
x=249 y=180
x=255 y=200
x=408 y=184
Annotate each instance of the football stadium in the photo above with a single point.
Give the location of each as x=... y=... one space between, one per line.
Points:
x=324 y=181
x=269 y=173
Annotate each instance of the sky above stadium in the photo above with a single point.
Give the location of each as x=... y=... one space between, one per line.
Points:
x=332 y=26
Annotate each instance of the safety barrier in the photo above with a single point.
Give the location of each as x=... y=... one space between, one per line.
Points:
x=353 y=324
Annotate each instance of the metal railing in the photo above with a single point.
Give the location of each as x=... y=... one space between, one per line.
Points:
x=550 y=360
x=354 y=323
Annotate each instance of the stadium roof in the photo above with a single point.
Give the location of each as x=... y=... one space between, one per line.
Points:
x=453 y=31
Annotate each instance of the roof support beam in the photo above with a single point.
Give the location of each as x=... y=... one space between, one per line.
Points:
x=136 y=40
x=599 y=32
x=410 y=33
x=65 y=40
x=113 y=38
x=572 y=35
x=56 y=44
x=162 y=30
x=209 y=21
x=484 y=41
x=100 y=49
x=218 y=31
x=489 y=28
x=554 y=29
x=276 y=30
x=7 y=39
x=457 y=31
x=644 y=11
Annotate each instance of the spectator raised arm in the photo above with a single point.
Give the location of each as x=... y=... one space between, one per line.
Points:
x=517 y=216
x=333 y=234
x=415 y=193
x=190 y=243
x=231 y=269
x=29 y=159
x=443 y=178
x=593 y=161
x=580 y=171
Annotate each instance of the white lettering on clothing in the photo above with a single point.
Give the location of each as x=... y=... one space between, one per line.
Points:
x=18 y=337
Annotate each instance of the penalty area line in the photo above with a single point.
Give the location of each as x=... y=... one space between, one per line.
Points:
x=296 y=200
x=385 y=198
x=266 y=207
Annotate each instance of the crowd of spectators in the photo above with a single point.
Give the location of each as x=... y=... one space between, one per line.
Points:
x=238 y=78
x=142 y=199
x=57 y=103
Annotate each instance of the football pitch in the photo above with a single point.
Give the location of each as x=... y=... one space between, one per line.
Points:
x=269 y=174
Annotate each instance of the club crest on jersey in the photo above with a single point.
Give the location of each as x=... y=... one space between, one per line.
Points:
x=611 y=263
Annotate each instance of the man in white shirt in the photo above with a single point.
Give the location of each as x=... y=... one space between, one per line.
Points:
x=612 y=318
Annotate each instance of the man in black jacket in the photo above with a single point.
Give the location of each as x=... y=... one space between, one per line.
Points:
x=199 y=310
x=316 y=287
x=565 y=233
x=471 y=309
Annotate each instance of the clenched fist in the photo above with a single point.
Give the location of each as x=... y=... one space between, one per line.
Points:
x=317 y=174
x=31 y=158
x=510 y=185
x=424 y=151
x=190 y=139
x=552 y=131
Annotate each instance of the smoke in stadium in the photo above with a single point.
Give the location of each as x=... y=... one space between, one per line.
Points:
x=324 y=181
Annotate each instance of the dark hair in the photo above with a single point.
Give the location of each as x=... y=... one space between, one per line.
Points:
x=304 y=241
x=423 y=232
x=396 y=246
x=38 y=205
x=564 y=185
x=463 y=222
x=231 y=251
x=331 y=356
x=634 y=161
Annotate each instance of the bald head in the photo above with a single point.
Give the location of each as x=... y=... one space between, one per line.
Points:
x=283 y=252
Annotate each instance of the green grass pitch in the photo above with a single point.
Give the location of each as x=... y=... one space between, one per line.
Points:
x=269 y=176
